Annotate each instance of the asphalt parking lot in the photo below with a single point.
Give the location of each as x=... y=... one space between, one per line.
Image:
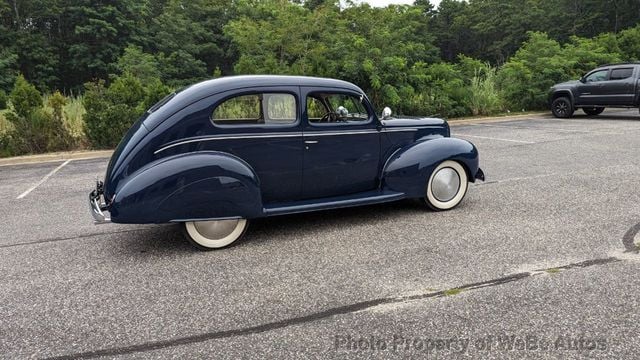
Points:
x=537 y=262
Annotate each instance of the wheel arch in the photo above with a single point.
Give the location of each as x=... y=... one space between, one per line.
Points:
x=183 y=187
x=408 y=169
x=562 y=93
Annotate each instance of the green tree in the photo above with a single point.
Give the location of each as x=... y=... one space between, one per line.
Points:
x=190 y=40
x=142 y=65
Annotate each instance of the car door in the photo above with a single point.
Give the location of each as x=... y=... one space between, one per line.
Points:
x=262 y=126
x=341 y=143
x=591 y=90
x=619 y=89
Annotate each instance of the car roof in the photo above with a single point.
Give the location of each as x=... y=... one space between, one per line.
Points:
x=617 y=64
x=244 y=81
x=207 y=88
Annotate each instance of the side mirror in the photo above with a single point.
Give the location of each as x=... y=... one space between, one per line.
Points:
x=386 y=113
x=583 y=80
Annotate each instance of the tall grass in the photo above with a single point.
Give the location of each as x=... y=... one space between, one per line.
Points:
x=73 y=119
x=484 y=98
x=5 y=125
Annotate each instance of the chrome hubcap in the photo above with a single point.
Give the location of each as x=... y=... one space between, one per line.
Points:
x=445 y=184
x=216 y=230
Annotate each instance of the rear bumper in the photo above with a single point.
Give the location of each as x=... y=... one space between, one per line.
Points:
x=98 y=206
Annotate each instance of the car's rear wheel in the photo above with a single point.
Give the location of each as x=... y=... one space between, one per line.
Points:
x=215 y=234
x=447 y=186
x=562 y=107
x=593 y=111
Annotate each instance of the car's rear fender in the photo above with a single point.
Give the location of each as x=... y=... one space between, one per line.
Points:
x=193 y=186
x=407 y=170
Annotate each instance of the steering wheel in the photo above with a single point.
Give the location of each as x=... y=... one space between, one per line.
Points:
x=329 y=117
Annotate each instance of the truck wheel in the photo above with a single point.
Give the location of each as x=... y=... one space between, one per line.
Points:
x=562 y=107
x=593 y=111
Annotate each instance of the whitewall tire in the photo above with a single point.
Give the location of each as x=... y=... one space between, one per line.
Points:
x=215 y=234
x=447 y=186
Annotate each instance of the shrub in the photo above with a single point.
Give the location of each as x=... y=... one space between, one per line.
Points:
x=36 y=128
x=112 y=110
x=58 y=135
x=29 y=121
x=108 y=115
x=541 y=62
x=3 y=100
x=25 y=98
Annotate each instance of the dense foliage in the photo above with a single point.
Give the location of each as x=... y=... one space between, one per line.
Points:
x=470 y=57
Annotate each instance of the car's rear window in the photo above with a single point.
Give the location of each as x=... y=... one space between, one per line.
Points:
x=256 y=109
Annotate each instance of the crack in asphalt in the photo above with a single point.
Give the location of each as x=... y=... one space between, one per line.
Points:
x=44 y=241
x=628 y=240
x=325 y=314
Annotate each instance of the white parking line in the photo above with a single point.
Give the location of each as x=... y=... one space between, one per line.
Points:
x=45 y=178
x=492 y=138
x=550 y=129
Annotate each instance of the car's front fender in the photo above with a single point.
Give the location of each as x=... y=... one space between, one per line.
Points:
x=193 y=186
x=408 y=169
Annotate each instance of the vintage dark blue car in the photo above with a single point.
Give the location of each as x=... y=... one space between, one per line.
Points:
x=224 y=151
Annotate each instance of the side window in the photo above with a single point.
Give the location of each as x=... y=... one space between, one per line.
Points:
x=620 y=74
x=336 y=108
x=256 y=109
x=597 y=76
x=315 y=109
x=281 y=108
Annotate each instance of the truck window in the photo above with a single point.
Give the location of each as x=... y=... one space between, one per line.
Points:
x=597 y=76
x=620 y=74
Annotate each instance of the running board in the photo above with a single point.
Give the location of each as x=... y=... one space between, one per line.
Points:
x=365 y=198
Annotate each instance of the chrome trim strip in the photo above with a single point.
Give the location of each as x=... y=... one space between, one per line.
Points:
x=278 y=135
x=332 y=133
x=229 y=137
x=404 y=129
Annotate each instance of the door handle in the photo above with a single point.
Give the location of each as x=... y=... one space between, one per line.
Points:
x=311 y=141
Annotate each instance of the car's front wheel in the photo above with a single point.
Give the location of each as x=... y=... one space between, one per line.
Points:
x=562 y=107
x=593 y=111
x=447 y=186
x=214 y=234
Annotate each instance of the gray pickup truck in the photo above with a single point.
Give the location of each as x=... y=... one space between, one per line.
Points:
x=612 y=85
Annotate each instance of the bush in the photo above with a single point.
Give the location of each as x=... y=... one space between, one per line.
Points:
x=112 y=110
x=3 y=100
x=25 y=98
x=36 y=128
x=58 y=137
x=29 y=121
x=541 y=62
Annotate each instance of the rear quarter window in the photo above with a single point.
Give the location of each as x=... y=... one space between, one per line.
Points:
x=620 y=74
x=256 y=109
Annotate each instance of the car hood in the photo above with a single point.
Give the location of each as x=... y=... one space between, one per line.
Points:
x=408 y=121
x=567 y=83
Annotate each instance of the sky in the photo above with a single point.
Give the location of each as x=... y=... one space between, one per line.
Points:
x=383 y=3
